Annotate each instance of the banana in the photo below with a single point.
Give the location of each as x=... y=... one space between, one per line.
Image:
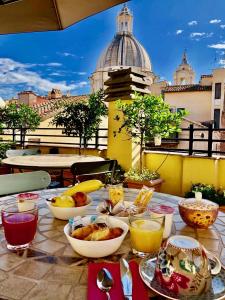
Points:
x=85 y=187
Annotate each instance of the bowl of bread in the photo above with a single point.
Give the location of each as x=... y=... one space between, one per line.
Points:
x=95 y=236
x=64 y=207
x=123 y=209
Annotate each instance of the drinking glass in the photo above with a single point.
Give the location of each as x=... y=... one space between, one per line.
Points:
x=19 y=227
x=146 y=234
x=116 y=193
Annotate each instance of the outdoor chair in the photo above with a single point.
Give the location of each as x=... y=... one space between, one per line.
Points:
x=23 y=182
x=93 y=170
x=21 y=152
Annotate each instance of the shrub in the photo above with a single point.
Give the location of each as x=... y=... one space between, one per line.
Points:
x=208 y=192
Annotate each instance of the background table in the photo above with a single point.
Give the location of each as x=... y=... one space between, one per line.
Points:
x=51 y=270
x=48 y=162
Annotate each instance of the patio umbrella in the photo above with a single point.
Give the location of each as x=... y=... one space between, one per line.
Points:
x=42 y=15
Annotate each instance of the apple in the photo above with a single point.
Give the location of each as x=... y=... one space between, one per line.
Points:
x=80 y=199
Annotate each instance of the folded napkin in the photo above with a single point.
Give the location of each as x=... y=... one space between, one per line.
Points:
x=116 y=293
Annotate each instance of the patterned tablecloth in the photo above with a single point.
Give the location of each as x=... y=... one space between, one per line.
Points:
x=50 y=269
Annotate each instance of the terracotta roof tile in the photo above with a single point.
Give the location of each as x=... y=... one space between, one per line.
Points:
x=187 y=88
x=206 y=76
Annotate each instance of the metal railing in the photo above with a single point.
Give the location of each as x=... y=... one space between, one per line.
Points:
x=49 y=136
x=209 y=142
x=16 y=135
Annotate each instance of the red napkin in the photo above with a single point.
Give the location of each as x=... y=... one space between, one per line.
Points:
x=116 y=292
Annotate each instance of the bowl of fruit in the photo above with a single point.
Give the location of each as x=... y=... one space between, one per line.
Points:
x=95 y=236
x=73 y=201
x=64 y=207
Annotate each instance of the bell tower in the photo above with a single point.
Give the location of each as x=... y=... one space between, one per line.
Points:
x=184 y=74
x=125 y=21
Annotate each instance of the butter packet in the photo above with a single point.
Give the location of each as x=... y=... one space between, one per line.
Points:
x=144 y=197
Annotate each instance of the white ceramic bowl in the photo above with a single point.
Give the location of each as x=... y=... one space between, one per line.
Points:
x=64 y=213
x=97 y=249
x=124 y=219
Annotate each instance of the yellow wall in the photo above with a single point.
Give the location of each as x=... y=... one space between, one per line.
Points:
x=197 y=103
x=221 y=170
x=180 y=171
x=170 y=171
x=119 y=147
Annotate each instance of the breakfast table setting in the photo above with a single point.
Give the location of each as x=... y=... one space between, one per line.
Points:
x=81 y=250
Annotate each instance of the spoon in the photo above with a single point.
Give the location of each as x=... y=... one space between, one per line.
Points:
x=105 y=281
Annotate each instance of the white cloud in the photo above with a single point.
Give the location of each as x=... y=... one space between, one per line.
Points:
x=16 y=73
x=179 y=31
x=55 y=74
x=66 y=54
x=197 y=34
x=222 y=26
x=222 y=62
x=192 y=23
x=217 y=46
x=80 y=73
x=215 y=21
x=52 y=64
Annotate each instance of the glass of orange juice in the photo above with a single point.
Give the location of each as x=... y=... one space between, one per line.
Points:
x=146 y=234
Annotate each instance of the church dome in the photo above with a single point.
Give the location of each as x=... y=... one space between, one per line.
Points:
x=125 y=50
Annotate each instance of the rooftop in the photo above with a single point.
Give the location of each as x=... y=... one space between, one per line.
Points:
x=187 y=88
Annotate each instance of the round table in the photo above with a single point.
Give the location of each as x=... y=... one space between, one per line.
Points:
x=51 y=270
x=48 y=161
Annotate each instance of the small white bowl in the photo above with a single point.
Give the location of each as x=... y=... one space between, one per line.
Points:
x=124 y=219
x=65 y=213
x=95 y=249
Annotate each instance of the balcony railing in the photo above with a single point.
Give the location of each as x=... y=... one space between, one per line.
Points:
x=211 y=139
x=193 y=141
x=52 y=137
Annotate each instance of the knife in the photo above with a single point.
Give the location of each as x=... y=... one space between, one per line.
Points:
x=126 y=279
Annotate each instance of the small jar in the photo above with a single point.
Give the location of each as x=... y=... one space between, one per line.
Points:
x=167 y=211
x=26 y=201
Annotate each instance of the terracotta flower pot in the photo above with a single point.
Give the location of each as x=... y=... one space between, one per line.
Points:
x=156 y=184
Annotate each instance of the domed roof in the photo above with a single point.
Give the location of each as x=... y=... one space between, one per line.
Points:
x=125 y=50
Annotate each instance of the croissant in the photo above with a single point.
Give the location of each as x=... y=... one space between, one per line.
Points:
x=82 y=232
x=96 y=232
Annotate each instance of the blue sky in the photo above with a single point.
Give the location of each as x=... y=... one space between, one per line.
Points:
x=65 y=59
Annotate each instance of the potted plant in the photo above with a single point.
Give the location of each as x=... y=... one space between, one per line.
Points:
x=147 y=117
x=208 y=192
x=82 y=119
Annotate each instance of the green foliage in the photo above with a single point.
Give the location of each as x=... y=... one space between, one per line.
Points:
x=82 y=118
x=208 y=192
x=118 y=176
x=20 y=115
x=145 y=174
x=3 y=148
x=146 y=117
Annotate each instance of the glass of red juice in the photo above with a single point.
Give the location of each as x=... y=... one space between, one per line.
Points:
x=19 y=227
